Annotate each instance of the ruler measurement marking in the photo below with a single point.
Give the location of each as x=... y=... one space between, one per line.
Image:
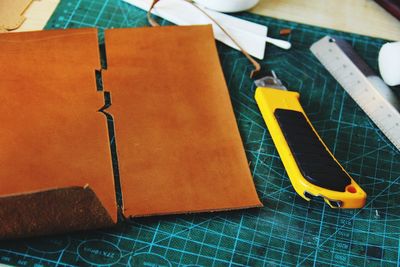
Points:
x=362 y=90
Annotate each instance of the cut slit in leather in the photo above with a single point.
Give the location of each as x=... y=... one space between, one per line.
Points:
x=178 y=145
x=52 y=136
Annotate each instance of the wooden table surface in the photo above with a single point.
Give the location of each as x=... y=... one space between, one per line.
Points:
x=358 y=16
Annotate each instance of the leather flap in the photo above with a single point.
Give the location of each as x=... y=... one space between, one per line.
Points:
x=179 y=148
x=52 y=133
x=51 y=212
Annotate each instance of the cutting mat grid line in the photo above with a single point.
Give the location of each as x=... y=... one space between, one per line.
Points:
x=288 y=231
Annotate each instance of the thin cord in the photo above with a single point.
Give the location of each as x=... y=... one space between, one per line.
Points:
x=149 y=18
x=256 y=65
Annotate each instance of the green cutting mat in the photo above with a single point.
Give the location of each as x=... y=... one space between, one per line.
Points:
x=288 y=230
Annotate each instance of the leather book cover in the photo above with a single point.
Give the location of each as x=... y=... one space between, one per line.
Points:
x=54 y=143
x=179 y=149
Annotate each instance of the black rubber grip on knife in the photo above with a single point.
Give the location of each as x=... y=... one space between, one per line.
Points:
x=314 y=161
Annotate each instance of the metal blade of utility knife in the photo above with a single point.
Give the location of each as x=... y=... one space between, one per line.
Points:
x=368 y=90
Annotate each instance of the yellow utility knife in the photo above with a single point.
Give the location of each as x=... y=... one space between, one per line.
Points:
x=311 y=167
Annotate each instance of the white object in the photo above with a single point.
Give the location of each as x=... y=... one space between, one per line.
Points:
x=37 y=14
x=368 y=90
x=228 y=6
x=250 y=36
x=279 y=43
x=389 y=63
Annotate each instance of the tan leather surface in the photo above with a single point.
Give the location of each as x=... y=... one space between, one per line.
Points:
x=178 y=144
x=179 y=147
x=51 y=133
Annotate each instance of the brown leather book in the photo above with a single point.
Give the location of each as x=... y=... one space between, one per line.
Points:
x=178 y=145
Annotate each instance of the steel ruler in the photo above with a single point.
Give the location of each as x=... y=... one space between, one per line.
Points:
x=369 y=91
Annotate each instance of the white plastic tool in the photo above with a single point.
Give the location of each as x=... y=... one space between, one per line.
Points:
x=389 y=63
x=251 y=36
x=228 y=6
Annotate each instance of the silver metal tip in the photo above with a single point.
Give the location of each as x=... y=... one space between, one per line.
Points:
x=270 y=81
x=274 y=74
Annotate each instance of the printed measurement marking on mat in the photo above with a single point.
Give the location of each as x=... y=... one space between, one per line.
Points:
x=369 y=91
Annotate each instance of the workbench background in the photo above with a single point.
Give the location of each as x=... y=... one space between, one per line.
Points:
x=288 y=230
